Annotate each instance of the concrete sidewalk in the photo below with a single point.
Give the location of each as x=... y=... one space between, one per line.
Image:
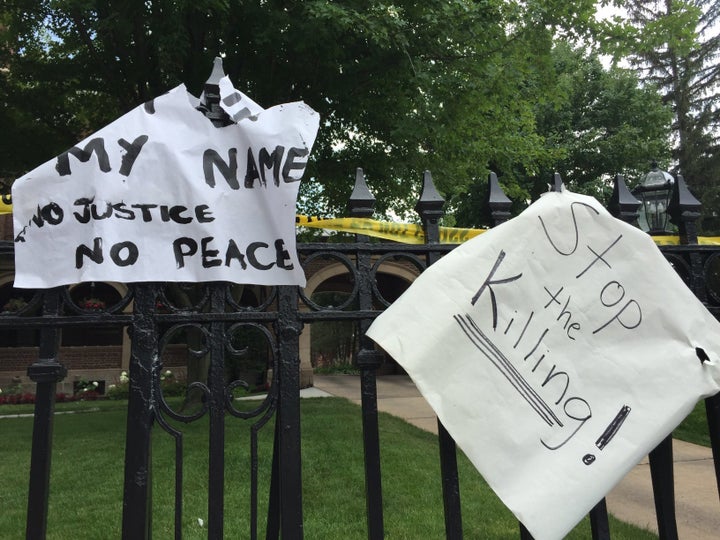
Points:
x=696 y=493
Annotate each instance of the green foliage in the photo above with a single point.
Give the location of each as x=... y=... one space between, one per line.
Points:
x=674 y=45
x=402 y=87
x=13 y=389
x=337 y=369
x=84 y=389
x=120 y=389
x=171 y=386
x=459 y=88
x=694 y=428
x=594 y=122
x=602 y=121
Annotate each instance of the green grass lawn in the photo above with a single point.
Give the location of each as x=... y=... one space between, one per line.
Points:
x=694 y=428
x=87 y=476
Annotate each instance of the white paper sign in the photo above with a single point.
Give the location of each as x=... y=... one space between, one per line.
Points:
x=163 y=195
x=558 y=349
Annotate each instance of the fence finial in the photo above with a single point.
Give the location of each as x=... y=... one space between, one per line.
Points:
x=557 y=184
x=361 y=202
x=623 y=204
x=430 y=208
x=210 y=101
x=217 y=72
x=430 y=205
x=498 y=202
x=684 y=211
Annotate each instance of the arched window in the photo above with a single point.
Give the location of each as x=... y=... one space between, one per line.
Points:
x=333 y=343
x=93 y=296
x=16 y=301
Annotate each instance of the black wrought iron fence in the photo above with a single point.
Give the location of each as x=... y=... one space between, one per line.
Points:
x=215 y=321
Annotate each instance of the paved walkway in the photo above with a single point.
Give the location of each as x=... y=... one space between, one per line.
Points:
x=696 y=494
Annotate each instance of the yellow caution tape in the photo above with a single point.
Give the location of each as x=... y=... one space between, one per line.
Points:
x=407 y=233
x=5 y=203
x=675 y=240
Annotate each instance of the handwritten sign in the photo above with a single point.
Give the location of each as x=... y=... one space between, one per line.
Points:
x=558 y=349
x=163 y=195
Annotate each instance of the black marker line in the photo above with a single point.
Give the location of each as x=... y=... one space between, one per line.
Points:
x=528 y=355
x=538 y=362
x=499 y=357
x=505 y=369
x=499 y=354
x=575 y=225
x=599 y=257
x=533 y=395
x=613 y=427
x=525 y=392
x=489 y=283
x=488 y=348
x=523 y=330
x=508 y=326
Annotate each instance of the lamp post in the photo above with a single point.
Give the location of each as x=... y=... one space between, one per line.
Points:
x=654 y=195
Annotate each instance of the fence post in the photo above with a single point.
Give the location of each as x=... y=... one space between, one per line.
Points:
x=46 y=373
x=623 y=205
x=498 y=202
x=684 y=211
x=430 y=208
x=368 y=360
x=137 y=501
x=499 y=205
x=662 y=474
x=216 y=412
x=288 y=415
x=599 y=521
x=712 y=410
x=210 y=105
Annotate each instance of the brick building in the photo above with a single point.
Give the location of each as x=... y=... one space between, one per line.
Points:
x=102 y=352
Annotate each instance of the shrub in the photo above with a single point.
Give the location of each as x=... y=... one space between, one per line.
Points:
x=169 y=384
x=86 y=390
x=121 y=390
x=337 y=369
x=171 y=387
x=14 y=395
x=29 y=397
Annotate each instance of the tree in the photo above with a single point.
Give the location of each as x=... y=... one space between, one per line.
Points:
x=604 y=121
x=595 y=122
x=38 y=120
x=400 y=88
x=675 y=45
